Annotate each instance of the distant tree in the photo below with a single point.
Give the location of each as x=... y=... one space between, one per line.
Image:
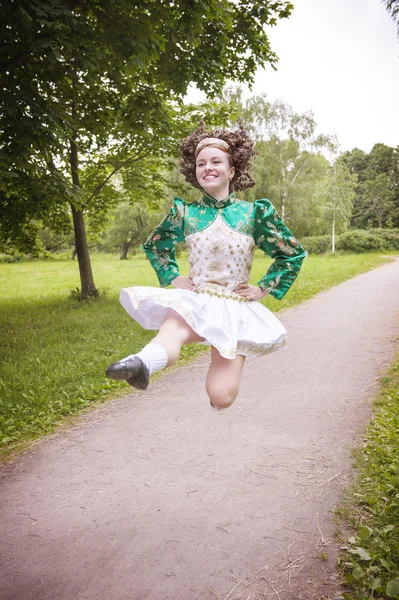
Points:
x=92 y=89
x=130 y=227
x=376 y=202
x=298 y=185
x=338 y=190
x=51 y=241
x=379 y=200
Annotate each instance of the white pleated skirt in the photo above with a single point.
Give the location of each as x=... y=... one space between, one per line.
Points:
x=232 y=327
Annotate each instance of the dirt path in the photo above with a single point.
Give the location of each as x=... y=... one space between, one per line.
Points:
x=159 y=497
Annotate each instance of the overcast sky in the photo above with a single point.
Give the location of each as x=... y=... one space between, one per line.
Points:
x=339 y=59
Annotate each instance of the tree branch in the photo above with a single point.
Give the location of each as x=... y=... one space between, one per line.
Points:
x=299 y=171
x=51 y=248
x=101 y=185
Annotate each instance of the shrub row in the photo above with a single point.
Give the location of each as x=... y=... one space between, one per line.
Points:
x=357 y=241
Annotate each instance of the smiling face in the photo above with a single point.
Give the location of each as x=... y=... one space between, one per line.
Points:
x=213 y=172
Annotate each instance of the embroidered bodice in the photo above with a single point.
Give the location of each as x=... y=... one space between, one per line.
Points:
x=221 y=237
x=220 y=258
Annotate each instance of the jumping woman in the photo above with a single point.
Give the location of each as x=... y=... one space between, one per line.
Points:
x=215 y=304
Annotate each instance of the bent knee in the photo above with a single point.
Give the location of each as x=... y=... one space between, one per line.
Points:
x=222 y=398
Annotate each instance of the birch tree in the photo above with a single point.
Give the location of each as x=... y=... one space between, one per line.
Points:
x=339 y=193
x=292 y=141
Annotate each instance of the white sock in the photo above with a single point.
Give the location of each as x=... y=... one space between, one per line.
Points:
x=153 y=356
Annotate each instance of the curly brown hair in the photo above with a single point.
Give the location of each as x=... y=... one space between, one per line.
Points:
x=241 y=154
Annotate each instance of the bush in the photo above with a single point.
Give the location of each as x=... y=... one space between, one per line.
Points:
x=390 y=238
x=359 y=241
x=11 y=257
x=356 y=240
x=317 y=244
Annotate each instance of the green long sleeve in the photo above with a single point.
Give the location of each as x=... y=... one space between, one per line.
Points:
x=160 y=247
x=276 y=240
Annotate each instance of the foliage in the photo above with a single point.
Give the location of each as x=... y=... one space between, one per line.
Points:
x=359 y=241
x=292 y=180
x=130 y=227
x=370 y=558
x=380 y=199
x=51 y=241
x=376 y=202
x=59 y=379
x=393 y=8
x=317 y=244
x=389 y=237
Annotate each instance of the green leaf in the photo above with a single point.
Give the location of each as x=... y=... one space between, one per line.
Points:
x=365 y=533
x=385 y=564
x=388 y=528
x=376 y=584
x=361 y=552
x=357 y=572
x=393 y=588
x=352 y=540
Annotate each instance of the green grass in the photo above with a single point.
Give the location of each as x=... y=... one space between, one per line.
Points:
x=54 y=349
x=370 y=558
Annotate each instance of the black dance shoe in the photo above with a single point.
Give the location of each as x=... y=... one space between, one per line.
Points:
x=132 y=370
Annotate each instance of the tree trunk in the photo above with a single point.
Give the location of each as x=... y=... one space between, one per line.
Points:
x=283 y=199
x=334 y=206
x=88 y=289
x=380 y=218
x=333 y=235
x=125 y=250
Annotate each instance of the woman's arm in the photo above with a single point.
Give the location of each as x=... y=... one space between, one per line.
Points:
x=274 y=238
x=160 y=247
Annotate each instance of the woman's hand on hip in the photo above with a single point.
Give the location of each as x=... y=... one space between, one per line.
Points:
x=250 y=292
x=183 y=283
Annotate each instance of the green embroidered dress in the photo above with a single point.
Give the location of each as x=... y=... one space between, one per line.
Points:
x=221 y=237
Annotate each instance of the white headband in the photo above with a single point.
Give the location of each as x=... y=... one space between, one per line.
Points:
x=212 y=142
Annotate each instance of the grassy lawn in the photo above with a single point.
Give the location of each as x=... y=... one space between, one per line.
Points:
x=54 y=349
x=370 y=560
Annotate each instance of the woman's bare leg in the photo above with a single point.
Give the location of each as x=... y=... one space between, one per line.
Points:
x=173 y=334
x=161 y=352
x=223 y=379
